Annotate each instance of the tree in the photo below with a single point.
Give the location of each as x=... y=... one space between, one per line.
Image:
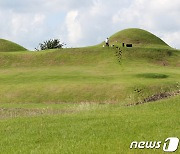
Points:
x=50 y=44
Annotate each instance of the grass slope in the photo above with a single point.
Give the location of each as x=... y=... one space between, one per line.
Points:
x=8 y=46
x=74 y=100
x=87 y=75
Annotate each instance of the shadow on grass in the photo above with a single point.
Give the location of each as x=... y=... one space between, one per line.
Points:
x=152 y=76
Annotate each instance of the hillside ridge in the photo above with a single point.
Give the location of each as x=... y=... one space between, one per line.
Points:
x=8 y=46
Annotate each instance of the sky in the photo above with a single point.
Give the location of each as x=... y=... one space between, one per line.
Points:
x=86 y=22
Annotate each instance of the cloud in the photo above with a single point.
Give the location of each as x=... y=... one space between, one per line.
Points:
x=21 y=24
x=86 y=22
x=33 y=21
x=24 y=29
x=43 y=5
x=157 y=16
x=172 y=38
x=73 y=27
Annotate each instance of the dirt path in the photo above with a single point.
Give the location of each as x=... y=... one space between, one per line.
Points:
x=156 y=97
x=23 y=112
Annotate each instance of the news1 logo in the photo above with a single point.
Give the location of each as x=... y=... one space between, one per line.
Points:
x=170 y=144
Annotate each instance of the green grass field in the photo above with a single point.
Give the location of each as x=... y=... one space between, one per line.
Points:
x=77 y=100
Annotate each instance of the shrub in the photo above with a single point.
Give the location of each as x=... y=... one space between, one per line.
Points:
x=50 y=44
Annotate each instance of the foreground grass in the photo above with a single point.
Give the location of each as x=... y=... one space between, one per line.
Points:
x=91 y=128
x=74 y=100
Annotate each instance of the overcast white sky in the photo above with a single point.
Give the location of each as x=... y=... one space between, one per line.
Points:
x=86 y=22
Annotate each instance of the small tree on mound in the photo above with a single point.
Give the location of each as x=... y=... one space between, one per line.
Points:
x=50 y=44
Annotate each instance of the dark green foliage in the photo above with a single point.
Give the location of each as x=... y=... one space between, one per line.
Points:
x=50 y=44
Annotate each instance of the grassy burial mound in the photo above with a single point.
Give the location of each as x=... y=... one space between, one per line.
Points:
x=8 y=46
x=138 y=37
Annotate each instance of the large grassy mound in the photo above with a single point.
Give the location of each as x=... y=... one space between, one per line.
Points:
x=137 y=37
x=8 y=46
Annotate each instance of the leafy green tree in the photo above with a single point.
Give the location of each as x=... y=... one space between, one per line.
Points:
x=50 y=44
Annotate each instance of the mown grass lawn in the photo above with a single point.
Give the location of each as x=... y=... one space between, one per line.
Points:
x=90 y=128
